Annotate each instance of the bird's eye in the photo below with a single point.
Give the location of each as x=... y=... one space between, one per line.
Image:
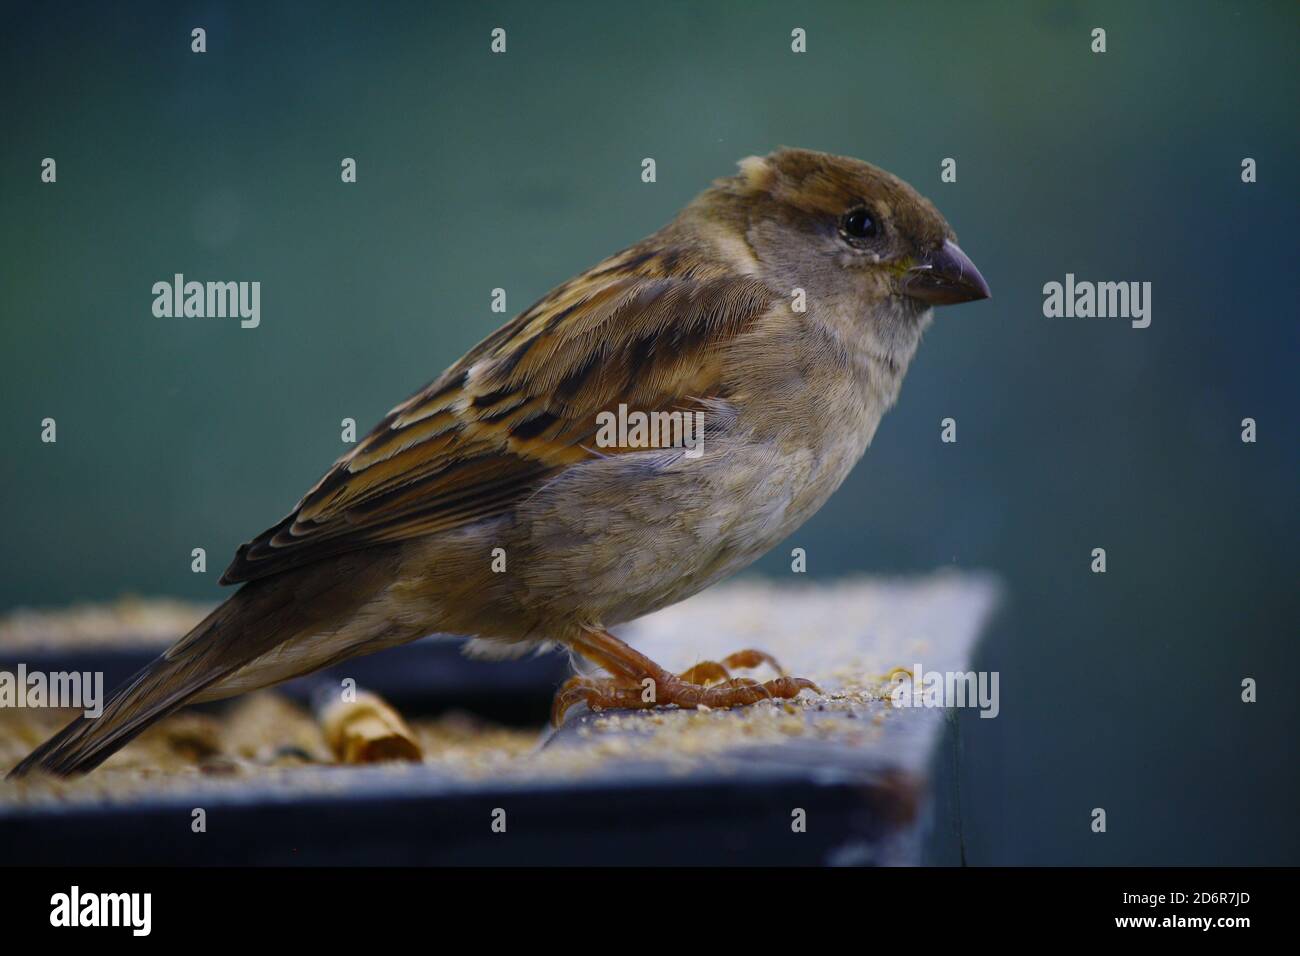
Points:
x=859 y=224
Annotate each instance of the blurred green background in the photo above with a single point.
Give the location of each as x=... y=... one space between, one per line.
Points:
x=476 y=171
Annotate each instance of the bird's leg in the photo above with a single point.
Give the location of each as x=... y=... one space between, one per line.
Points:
x=639 y=682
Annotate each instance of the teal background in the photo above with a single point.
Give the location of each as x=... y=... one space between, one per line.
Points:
x=476 y=171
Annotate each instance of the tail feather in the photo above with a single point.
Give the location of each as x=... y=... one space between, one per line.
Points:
x=193 y=663
x=260 y=616
x=87 y=742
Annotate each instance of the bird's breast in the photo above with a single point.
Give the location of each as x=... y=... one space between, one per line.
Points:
x=618 y=537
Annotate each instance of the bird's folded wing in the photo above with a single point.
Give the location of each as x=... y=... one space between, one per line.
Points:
x=519 y=408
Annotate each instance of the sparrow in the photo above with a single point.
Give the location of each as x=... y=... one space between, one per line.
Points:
x=781 y=308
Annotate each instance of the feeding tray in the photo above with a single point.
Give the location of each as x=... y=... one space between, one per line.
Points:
x=842 y=777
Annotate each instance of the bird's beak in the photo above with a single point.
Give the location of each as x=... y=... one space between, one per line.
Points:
x=945 y=277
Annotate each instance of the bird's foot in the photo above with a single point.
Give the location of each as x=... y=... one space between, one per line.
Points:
x=598 y=694
x=638 y=683
x=713 y=672
x=610 y=693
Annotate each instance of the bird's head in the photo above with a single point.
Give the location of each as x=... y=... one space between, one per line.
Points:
x=846 y=232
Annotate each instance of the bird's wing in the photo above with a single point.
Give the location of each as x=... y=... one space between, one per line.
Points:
x=519 y=408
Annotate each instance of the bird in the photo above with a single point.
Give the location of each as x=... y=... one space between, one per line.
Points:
x=780 y=308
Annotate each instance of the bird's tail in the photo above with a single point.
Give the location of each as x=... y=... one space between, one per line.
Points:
x=193 y=663
x=259 y=617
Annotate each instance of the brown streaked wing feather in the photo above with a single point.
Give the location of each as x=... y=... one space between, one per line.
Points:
x=520 y=407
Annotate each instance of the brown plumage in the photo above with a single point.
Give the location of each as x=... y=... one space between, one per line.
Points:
x=501 y=451
x=467 y=447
